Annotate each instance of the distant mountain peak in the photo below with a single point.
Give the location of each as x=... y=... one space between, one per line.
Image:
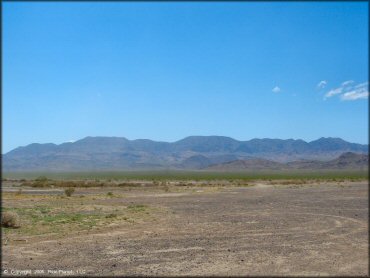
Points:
x=205 y=137
x=329 y=139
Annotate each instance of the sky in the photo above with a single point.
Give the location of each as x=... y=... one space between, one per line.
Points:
x=164 y=71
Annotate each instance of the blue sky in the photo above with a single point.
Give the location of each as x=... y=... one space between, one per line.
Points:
x=164 y=71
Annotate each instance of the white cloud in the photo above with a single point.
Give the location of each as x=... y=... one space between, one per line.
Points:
x=333 y=92
x=71 y=141
x=347 y=92
x=360 y=93
x=348 y=82
x=276 y=89
x=322 y=84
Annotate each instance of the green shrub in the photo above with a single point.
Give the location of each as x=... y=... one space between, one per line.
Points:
x=69 y=191
x=137 y=208
x=10 y=219
x=110 y=194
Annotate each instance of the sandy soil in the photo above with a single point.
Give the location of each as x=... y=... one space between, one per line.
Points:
x=259 y=230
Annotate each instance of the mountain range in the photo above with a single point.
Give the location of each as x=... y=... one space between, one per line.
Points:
x=194 y=152
x=346 y=161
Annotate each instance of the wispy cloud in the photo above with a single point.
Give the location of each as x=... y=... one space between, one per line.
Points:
x=322 y=84
x=360 y=92
x=276 y=89
x=347 y=91
x=348 y=82
x=362 y=84
x=333 y=92
x=353 y=95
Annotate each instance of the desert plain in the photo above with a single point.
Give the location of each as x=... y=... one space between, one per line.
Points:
x=171 y=227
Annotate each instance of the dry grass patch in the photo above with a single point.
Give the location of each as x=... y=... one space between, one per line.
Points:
x=53 y=216
x=10 y=219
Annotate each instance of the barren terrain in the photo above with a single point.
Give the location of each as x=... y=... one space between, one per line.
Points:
x=264 y=229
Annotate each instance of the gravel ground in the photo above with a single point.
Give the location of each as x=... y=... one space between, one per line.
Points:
x=259 y=230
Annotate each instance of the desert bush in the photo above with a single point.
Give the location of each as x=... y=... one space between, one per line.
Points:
x=181 y=184
x=41 y=181
x=26 y=183
x=41 y=178
x=68 y=184
x=128 y=184
x=110 y=194
x=10 y=219
x=69 y=191
x=39 y=184
x=155 y=182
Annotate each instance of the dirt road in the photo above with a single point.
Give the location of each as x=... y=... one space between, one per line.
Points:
x=260 y=230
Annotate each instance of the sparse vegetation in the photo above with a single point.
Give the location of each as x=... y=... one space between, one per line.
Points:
x=50 y=214
x=137 y=208
x=90 y=179
x=79 y=219
x=58 y=218
x=41 y=179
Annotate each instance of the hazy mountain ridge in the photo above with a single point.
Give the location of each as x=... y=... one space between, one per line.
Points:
x=348 y=160
x=194 y=152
